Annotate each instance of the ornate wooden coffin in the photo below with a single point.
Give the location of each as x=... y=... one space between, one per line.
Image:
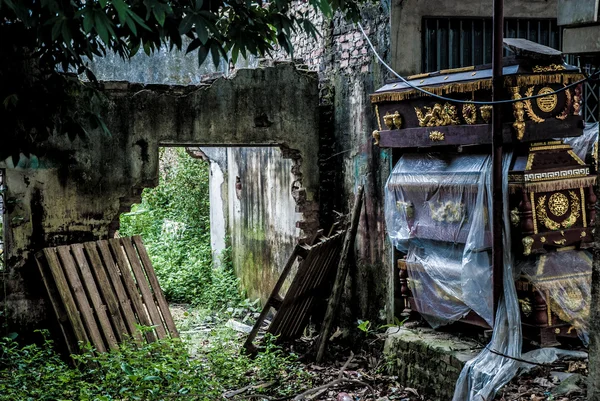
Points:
x=436 y=197
x=552 y=198
x=554 y=293
x=408 y=118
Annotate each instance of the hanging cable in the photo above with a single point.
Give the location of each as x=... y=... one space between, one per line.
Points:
x=478 y=102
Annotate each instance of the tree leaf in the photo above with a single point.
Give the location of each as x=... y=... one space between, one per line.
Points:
x=202 y=54
x=122 y=9
x=193 y=45
x=186 y=24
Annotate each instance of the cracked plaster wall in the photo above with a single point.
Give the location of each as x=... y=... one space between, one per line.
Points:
x=77 y=190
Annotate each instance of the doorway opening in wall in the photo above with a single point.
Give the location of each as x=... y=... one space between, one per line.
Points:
x=173 y=220
x=220 y=225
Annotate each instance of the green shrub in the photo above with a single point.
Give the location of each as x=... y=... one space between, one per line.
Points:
x=161 y=370
x=174 y=221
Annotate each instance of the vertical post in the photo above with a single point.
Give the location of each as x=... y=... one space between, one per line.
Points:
x=497 y=141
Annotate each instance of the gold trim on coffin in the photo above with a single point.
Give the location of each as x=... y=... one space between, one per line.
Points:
x=528 y=107
x=437 y=115
x=470 y=86
x=542 y=214
x=519 y=113
x=469 y=112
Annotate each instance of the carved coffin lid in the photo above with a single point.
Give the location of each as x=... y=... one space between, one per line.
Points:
x=408 y=118
x=549 y=166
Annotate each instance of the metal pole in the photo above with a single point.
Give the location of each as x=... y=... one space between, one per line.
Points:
x=497 y=141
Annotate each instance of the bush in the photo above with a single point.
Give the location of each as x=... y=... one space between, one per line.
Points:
x=174 y=221
x=161 y=370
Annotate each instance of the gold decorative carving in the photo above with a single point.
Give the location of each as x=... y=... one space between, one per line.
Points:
x=376 y=136
x=558 y=204
x=515 y=217
x=561 y=242
x=583 y=234
x=577 y=98
x=486 y=113
x=437 y=115
x=527 y=244
x=397 y=119
x=568 y=103
x=543 y=240
x=469 y=113
x=436 y=136
x=583 y=206
x=447 y=212
x=549 y=68
x=530 y=158
x=527 y=103
x=393 y=120
x=378 y=117
x=557 y=331
x=525 y=306
x=547 y=104
x=406 y=207
x=519 y=113
x=388 y=120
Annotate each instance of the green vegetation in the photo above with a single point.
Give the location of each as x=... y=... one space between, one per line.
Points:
x=50 y=37
x=174 y=222
x=158 y=371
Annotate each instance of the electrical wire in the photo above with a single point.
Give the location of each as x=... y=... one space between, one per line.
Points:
x=478 y=102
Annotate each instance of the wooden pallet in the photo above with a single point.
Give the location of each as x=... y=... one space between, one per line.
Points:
x=102 y=291
x=316 y=268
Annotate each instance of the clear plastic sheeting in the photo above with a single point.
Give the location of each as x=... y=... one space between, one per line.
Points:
x=585 y=144
x=567 y=291
x=438 y=212
x=485 y=374
x=546 y=356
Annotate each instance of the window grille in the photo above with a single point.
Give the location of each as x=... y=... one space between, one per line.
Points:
x=462 y=42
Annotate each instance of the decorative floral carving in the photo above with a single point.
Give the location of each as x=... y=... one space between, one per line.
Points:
x=388 y=120
x=486 y=113
x=577 y=101
x=549 y=68
x=527 y=244
x=376 y=136
x=406 y=207
x=515 y=217
x=548 y=103
x=436 y=136
x=525 y=305
x=469 y=113
x=568 y=103
x=519 y=113
x=447 y=212
x=527 y=103
x=559 y=204
x=397 y=119
x=437 y=115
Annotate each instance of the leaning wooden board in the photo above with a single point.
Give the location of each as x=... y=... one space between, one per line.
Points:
x=102 y=291
x=316 y=263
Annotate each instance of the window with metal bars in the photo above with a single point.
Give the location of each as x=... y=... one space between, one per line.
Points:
x=462 y=42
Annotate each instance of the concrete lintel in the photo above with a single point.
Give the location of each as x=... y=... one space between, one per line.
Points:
x=581 y=40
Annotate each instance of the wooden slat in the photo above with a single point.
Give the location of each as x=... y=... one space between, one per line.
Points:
x=158 y=294
x=142 y=283
x=57 y=306
x=124 y=300
x=106 y=291
x=94 y=295
x=130 y=286
x=298 y=249
x=70 y=270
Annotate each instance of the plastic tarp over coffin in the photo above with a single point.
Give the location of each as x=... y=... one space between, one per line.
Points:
x=438 y=212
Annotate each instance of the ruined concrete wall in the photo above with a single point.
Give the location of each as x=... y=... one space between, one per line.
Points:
x=348 y=73
x=77 y=190
x=262 y=216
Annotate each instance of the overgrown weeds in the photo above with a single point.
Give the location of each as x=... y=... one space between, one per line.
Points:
x=174 y=222
x=161 y=370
